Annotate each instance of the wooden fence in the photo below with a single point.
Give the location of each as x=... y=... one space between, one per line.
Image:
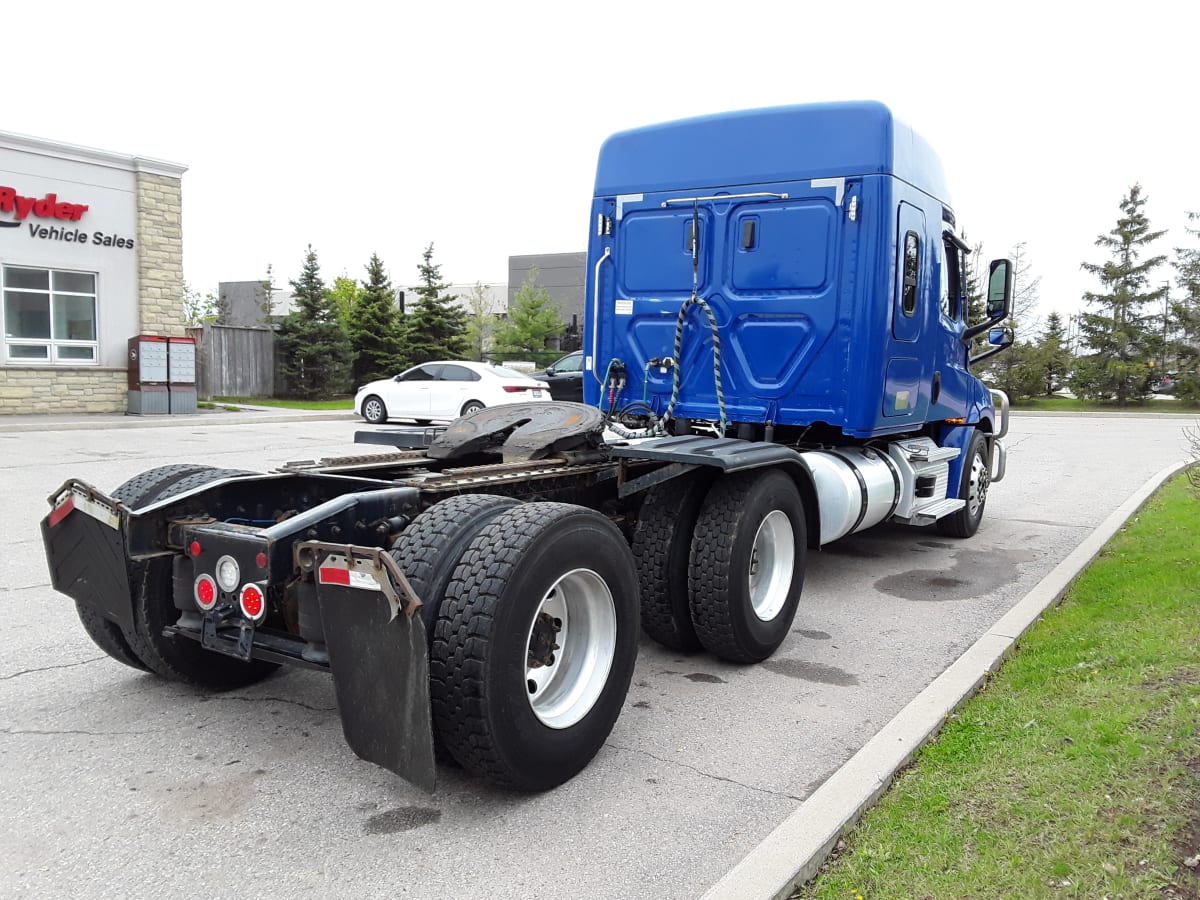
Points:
x=233 y=361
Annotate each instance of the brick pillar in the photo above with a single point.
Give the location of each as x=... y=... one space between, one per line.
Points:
x=160 y=254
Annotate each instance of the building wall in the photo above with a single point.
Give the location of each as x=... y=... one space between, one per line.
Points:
x=113 y=221
x=563 y=275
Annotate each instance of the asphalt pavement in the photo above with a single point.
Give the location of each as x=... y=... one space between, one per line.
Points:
x=718 y=778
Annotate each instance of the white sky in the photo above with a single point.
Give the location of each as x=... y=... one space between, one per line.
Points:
x=373 y=127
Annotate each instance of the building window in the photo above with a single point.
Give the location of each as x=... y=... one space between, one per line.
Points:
x=49 y=316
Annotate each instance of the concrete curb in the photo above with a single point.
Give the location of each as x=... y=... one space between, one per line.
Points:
x=793 y=853
x=248 y=417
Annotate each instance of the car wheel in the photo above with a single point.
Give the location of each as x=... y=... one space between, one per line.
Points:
x=373 y=410
x=471 y=406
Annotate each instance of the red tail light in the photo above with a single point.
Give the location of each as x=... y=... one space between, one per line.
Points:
x=205 y=591
x=519 y=388
x=252 y=602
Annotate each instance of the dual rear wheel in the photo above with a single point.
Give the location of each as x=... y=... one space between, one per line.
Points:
x=721 y=563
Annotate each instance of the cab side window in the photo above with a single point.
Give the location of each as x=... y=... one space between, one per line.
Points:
x=912 y=269
x=951 y=283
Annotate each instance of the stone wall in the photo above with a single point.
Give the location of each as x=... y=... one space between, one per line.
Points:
x=160 y=254
x=46 y=389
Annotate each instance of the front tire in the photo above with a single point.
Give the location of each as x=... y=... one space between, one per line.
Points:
x=374 y=411
x=973 y=488
x=746 y=568
x=534 y=647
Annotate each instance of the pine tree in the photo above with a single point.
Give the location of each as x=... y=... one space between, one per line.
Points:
x=1053 y=355
x=373 y=324
x=533 y=319
x=436 y=328
x=312 y=346
x=1185 y=318
x=1120 y=335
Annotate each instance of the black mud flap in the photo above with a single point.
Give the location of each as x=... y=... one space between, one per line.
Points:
x=379 y=657
x=85 y=551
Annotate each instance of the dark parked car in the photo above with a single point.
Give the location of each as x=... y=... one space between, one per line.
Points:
x=564 y=377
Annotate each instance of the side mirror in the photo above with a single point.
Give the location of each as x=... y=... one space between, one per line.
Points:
x=550 y=370
x=998 y=339
x=1001 y=337
x=998 y=300
x=1000 y=289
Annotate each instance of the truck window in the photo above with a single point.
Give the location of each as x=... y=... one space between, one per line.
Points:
x=951 y=288
x=912 y=267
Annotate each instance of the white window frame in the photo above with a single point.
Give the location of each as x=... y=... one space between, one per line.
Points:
x=53 y=345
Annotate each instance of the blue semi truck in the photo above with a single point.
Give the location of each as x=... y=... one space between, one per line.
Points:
x=776 y=356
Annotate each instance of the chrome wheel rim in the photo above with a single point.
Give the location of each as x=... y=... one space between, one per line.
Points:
x=564 y=682
x=977 y=488
x=772 y=562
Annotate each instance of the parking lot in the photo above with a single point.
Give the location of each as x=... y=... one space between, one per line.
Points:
x=113 y=783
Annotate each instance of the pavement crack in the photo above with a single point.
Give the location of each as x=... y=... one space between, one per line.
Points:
x=275 y=700
x=26 y=587
x=674 y=762
x=82 y=662
x=55 y=732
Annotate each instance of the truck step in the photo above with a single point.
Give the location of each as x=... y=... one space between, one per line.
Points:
x=927 y=515
x=926 y=452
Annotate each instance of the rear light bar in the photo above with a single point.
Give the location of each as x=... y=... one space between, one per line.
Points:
x=519 y=388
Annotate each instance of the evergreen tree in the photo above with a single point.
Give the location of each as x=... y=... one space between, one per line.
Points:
x=373 y=325
x=312 y=346
x=1120 y=335
x=533 y=319
x=1053 y=356
x=1185 y=318
x=436 y=328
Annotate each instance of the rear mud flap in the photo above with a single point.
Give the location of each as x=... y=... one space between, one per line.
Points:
x=85 y=552
x=379 y=657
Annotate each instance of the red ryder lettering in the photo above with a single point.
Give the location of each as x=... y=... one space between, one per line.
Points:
x=47 y=207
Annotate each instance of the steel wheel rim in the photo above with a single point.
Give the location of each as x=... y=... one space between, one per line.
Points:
x=977 y=488
x=563 y=692
x=772 y=562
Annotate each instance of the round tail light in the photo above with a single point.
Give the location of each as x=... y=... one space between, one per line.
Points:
x=205 y=591
x=252 y=602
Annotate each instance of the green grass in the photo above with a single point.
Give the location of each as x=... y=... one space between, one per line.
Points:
x=1076 y=771
x=1071 y=404
x=342 y=403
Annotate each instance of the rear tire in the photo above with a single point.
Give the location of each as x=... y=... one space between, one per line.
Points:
x=747 y=564
x=662 y=542
x=106 y=634
x=973 y=488
x=535 y=644
x=176 y=658
x=471 y=406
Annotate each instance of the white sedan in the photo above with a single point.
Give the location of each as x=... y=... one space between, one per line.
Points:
x=444 y=390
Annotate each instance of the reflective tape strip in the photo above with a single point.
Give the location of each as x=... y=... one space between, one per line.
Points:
x=348 y=578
